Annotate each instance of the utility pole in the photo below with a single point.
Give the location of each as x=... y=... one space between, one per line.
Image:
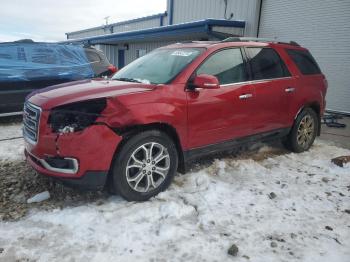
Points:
x=106 y=18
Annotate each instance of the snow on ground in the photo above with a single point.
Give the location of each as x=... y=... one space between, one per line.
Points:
x=202 y=214
x=11 y=149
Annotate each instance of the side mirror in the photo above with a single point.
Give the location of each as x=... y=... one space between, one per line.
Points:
x=206 y=82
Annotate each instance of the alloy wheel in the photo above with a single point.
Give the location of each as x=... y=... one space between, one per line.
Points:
x=147 y=167
x=306 y=131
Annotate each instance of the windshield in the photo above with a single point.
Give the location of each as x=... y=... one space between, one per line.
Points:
x=159 y=66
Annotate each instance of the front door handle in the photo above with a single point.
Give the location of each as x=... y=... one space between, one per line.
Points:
x=289 y=89
x=246 y=96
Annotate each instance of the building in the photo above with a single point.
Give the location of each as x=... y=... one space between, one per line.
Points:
x=321 y=26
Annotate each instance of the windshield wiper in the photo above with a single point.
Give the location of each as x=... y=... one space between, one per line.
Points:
x=127 y=79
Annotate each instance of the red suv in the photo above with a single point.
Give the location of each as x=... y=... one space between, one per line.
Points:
x=135 y=130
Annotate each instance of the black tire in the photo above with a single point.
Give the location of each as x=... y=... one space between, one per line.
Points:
x=123 y=158
x=295 y=143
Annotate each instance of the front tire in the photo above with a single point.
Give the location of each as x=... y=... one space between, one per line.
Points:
x=145 y=165
x=303 y=132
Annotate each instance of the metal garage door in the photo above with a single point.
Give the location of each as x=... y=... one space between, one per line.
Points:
x=324 y=28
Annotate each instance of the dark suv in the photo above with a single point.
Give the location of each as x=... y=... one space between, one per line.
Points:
x=27 y=66
x=134 y=131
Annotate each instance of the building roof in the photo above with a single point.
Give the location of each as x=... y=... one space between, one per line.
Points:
x=202 y=27
x=140 y=19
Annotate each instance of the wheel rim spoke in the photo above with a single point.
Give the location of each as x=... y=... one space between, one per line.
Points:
x=135 y=165
x=160 y=172
x=147 y=184
x=136 y=179
x=152 y=181
x=160 y=158
x=136 y=161
x=146 y=151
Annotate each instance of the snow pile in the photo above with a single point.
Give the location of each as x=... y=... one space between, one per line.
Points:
x=202 y=214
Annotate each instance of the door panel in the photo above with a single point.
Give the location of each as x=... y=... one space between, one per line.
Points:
x=216 y=115
x=272 y=104
x=273 y=84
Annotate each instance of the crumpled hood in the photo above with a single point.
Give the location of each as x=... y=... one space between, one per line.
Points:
x=84 y=90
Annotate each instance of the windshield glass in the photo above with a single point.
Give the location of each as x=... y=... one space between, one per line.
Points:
x=159 y=66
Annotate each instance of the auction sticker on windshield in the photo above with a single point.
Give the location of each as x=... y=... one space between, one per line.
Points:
x=182 y=53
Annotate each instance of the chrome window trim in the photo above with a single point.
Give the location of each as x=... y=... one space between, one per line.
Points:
x=256 y=81
x=249 y=82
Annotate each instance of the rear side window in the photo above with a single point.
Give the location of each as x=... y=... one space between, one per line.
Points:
x=304 y=61
x=227 y=65
x=93 y=57
x=265 y=63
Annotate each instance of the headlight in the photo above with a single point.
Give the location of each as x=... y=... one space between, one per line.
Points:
x=76 y=116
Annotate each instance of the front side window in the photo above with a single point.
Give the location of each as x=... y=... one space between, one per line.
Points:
x=227 y=65
x=265 y=63
x=304 y=61
x=159 y=66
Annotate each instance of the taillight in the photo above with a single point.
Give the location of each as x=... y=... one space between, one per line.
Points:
x=113 y=69
x=325 y=82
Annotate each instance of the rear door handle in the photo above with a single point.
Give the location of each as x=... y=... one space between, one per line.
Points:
x=246 y=96
x=289 y=89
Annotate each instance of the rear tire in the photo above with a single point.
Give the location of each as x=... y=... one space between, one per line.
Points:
x=145 y=165
x=303 y=132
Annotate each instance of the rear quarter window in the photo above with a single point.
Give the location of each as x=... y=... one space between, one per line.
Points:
x=304 y=61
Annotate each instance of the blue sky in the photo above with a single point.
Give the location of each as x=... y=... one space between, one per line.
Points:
x=49 y=20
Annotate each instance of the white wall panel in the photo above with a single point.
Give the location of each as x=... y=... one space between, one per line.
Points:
x=137 y=25
x=324 y=28
x=194 y=10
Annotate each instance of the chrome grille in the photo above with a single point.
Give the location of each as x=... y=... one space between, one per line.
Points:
x=31 y=117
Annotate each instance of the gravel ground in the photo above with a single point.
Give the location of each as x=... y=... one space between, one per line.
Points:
x=19 y=182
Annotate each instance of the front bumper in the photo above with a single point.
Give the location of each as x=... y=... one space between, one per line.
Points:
x=80 y=159
x=90 y=180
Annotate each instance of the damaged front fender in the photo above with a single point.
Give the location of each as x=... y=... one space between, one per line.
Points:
x=88 y=147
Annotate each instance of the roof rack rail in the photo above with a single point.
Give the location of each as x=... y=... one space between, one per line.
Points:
x=196 y=41
x=257 y=39
x=185 y=42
